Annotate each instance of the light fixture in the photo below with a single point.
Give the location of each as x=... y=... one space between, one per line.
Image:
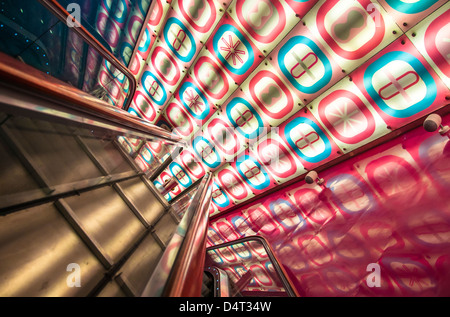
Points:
x=325 y=193
x=312 y=177
x=434 y=122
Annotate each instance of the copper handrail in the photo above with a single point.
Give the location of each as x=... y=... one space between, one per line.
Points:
x=17 y=74
x=180 y=270
x=287 y=283
x=185 y=279
x=56 y=9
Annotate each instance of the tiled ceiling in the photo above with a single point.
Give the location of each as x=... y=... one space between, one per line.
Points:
x=264 y=91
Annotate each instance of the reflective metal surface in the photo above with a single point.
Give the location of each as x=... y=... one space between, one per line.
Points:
x=108 y=219
x=112 y=289
x=36 y=246
x=165 y=228
x=178 y=273
x=252 y=255
x=107 y=155
x=13 y=72
x=139 y=193
x=139 y=268
x=54 y=150
x=22 y=180
x=61 y=13
x=120 y=230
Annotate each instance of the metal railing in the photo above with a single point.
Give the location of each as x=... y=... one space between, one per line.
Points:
x=21 y=81
x=180 y=270
x=287 y=283
x=57 y=10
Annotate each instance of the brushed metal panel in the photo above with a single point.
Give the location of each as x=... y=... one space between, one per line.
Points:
x=36 y=246
x=106 y=217
x=139 y=267
x=112 y=289
x=108 y=155
x=14 y=178
x=59 y=156
x=90 y=241
x=144 y=200
x=165 y=228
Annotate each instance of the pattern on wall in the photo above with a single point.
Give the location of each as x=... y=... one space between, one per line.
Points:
x=386 y=206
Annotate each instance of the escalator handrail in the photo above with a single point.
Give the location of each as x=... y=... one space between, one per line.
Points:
x=185 y=278
x=62 y=14
x=287 y=283
x=180 y=269
x=18 y=74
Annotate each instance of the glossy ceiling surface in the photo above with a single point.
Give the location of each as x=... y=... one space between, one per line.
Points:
x=264 y=91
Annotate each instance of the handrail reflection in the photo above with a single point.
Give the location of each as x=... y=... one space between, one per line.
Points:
x=17 y=74
x=180 y=270
x=54 y=7
x=288 y=286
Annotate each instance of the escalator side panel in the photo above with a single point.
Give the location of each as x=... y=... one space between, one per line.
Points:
x=36 y=247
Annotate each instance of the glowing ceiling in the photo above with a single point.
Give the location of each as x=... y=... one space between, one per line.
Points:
x=264 y=91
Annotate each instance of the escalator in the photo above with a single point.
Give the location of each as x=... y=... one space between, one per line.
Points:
x=73 y=195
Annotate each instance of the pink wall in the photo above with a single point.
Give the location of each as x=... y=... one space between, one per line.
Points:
x=388 y=206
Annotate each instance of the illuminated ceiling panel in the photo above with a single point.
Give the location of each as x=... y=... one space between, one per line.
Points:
x=331 y=76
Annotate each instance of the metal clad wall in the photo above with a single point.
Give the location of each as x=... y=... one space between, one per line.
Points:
x=36 y=246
